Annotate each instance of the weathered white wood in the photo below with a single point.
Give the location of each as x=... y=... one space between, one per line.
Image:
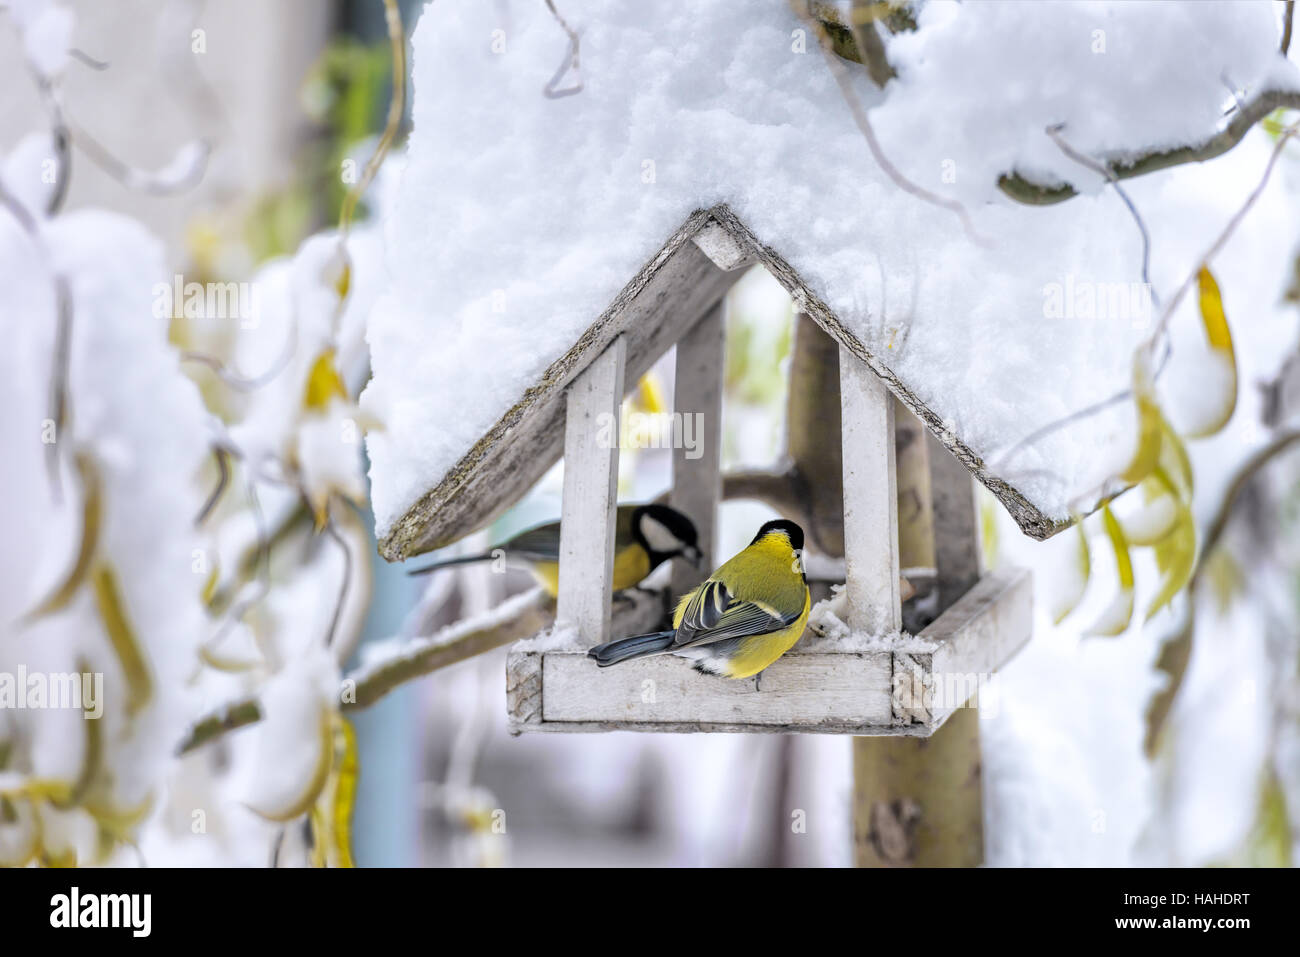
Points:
x=870 y=499
x=820 y=686
x=722 y=248
x=850 y=691
x=636 y=612
x=591 y=440
x=697 y=473
x=956 y=529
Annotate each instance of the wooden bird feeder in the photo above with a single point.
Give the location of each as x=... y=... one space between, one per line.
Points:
x=878 y=681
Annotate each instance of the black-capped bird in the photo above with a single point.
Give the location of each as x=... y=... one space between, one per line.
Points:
x=645 y=536
x=749 y=613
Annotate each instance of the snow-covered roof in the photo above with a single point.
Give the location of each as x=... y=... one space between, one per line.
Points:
x=524 y=223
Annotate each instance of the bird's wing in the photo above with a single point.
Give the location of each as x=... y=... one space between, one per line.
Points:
x=713 y=615
x=540 y=544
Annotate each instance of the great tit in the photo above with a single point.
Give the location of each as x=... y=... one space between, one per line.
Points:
x=749 y=613
x=645 y=536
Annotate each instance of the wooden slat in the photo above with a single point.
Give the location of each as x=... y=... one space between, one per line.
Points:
x=820 y=686
x=591 y=440
x=697 y=475
x=722 y=248
x=851 y=690
x=956 y=530
x=870 y=499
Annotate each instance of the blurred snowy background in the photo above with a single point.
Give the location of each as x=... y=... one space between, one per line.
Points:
x=270 y=587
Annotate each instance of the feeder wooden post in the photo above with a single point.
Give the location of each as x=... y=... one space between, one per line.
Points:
x=697 y=475
x=591 y=439
x=956 y=531
x=919 y=801
x=870 y=499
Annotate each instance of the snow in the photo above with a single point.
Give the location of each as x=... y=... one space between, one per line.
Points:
x=46 y=29
x=832 y=633
x=518 y=218
x=145 y=427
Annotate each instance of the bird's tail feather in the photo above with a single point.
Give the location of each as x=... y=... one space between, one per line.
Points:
x=462 y=560
x=639 y=646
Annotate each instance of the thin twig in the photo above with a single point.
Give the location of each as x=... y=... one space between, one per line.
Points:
x=222 y=456
x=1286 y=27
x=240 y=381
x=346 y=585
x=396 y=108
x=844 y=80
x=58 y=410
x=552 y=90
x=1055 y=133
x=162 y=182
x=62 y=136
x=1127 y=164
x=86 y=59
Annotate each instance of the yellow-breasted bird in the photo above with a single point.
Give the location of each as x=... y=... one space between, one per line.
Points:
x=645 y=536
x=749 y=613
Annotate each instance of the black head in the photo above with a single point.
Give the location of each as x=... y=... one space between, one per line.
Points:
x=789 y=529
x=665 y=533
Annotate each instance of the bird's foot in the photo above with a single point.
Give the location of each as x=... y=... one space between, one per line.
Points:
x=758 y=680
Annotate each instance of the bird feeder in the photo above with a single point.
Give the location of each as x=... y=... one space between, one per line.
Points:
x=872 y=678
x=875 y=680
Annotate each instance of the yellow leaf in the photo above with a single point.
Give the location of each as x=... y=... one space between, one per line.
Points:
x=1082 y=570
x=1117 y=616
x=345 y=794
x=1150 y=423
x=210 y=586
x=91 y=758
x=123 y=639
x=1153 y=521
x=1269 y=842
x=650 y=396
x=344 y=281
x=323 y=382
x=1175 y=555
x=91 y=513
x=19 y=832
x=1219 y=338
x=1175 y=463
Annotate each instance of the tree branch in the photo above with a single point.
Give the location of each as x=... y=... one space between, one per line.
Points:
x=1036 y=193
